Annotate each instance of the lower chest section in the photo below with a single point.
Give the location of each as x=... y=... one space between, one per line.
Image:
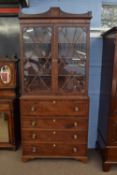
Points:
x=54 y=128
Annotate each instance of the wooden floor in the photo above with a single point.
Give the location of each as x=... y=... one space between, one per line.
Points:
x=11 y=164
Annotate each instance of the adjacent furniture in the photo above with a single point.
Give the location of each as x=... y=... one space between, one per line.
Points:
x=107 y=130
x=8 y=104
x=54 y=102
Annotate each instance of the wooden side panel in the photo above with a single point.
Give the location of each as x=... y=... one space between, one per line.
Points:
x=106 y=85
x=107 y=135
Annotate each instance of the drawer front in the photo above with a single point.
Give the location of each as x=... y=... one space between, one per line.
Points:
x=54 y=136
x=55 y=123
x=113 y=131
x=113 y=106
x=54 y=107
x=5 y=106
x=54 y=149
x=111 y=154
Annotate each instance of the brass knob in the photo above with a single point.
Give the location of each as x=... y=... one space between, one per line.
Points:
x=34 y=149
x=34 y=136
x=75 y=150
x=33 y=108
x=76 y=108
x=33 y=123
x=75 y=136
x=54 y=120
x=54 y=102
x=54 y=145
x=54 y=132
x=75 y=124
x=54 y=60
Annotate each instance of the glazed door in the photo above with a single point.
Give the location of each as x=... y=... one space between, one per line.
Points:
x=54 y=60
x=37 y=59
x=6 y=128
x=72 y=59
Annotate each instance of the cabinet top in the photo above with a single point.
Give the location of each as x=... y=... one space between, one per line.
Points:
x=8 y=60
x=110 y=31
x=56 y=12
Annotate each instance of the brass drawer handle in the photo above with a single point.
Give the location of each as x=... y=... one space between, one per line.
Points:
x=54 y=120
x=76 y=108
x=54 y=101
x=75 y=124
x=54 y=132
x=34 y=136
x=33 y=109
x=34 y=149
x=33 y=123
x=54 y=145
x=75 y=137
x=75 y=150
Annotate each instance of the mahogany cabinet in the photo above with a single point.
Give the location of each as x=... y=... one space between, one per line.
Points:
x=54 y=102
x=107 y=129
x=8 y=104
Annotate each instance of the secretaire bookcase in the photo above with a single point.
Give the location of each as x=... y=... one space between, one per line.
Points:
x=54 y=102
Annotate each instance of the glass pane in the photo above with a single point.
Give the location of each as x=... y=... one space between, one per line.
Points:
x=109 y=15
x=72 y=59
x=4 y=134
x=37 y=59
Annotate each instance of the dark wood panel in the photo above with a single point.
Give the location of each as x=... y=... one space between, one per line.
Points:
x=107 y=128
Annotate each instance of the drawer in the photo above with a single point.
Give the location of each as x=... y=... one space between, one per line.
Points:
x=113 y=106
x=111 y=154
x=54 y=149
x=55 y=123
x=54 y=107
x=5 y=105
x=113 y=130
x=54 y=136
